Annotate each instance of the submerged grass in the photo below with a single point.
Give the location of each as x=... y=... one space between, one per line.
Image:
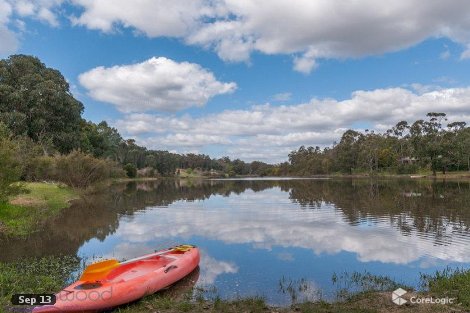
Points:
x=452 y=283
x=351 y=284
x=24 y=213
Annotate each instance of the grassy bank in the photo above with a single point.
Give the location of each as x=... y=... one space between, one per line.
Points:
x=50 y=274
x=363 y=303
x=23 y=214
x=45 y=275
x=136 y=179
x=429 y=175
x=465 y=175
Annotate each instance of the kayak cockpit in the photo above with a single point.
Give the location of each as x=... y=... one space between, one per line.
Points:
x=135 y=269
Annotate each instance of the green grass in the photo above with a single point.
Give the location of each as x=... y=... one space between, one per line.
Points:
x=452 y=283
x=44 y=275
x=15 y=220
x=163 y=303
x=24 y=213
x=324 y=307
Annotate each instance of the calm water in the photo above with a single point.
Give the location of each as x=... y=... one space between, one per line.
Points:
x=256 y=234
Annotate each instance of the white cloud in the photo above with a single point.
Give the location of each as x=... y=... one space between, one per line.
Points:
x=445 y=55
x=283 y=96
x=12 y=13
x=311 y=30
x=154 y=18
x=24 y=8
x=155 y=84
x=8 y=41
x=466 y=54
x=43 y=10
x=304 y=64
x=193 y=140
x=268 y=132
x=234 y=29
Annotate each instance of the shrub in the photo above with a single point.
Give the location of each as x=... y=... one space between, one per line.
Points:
x=81 y=170
x=407 y=169
x=41 y=168
x=147 y=172
x=76 y=169
x=131 y=170
x=10 y=166
x=28 y=152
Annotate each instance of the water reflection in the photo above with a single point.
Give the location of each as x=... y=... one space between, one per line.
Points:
x=266 y=219
x=252 y=232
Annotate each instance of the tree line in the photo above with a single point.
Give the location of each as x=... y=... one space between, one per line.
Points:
x=428 y=144
x=42 y=128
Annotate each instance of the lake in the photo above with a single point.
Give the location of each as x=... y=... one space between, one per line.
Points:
x=260 y=236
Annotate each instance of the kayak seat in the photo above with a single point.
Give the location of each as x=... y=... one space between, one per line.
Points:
x=135 y=269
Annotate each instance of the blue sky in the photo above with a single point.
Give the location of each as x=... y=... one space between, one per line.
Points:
x=249 y=79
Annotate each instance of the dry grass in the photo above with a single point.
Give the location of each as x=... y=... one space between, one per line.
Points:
x=28 y=201
x=26 y=212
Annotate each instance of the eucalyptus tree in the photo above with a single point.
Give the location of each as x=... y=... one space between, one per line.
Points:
x=36 y=101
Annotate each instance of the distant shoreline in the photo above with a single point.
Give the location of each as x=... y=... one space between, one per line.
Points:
x=452 y=175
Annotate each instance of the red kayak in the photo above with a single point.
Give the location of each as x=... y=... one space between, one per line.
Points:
x=107 y=284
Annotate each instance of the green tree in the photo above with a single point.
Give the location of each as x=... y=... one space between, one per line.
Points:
x=36 y=101
x=347 y=151
x=464 y=141
x=458 y=138
x=100 y=140
x=429 y=142
x=131 y=170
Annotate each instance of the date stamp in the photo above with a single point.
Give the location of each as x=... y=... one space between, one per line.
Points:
x=33 y=299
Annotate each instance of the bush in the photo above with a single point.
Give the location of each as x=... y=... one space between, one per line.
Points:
x=131 y=170
x=10 y=166
x=81 y=170
x=40 y=168
x=407 y=169
x=76 y=169
x=147 y=172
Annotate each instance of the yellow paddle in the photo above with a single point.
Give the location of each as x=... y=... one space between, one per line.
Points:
x=99 y=270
